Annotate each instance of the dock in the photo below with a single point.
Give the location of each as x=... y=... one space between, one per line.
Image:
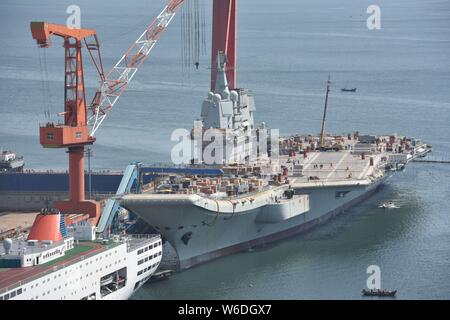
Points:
x=432 y=161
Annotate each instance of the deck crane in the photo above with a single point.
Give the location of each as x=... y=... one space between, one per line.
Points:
x=78 y=128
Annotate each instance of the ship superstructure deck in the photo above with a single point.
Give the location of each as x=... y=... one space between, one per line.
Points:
x=354 y=163
x=13 y=277
x=99 y=269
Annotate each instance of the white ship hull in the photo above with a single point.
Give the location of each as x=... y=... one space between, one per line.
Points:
x=85 y=278
x=212 y=234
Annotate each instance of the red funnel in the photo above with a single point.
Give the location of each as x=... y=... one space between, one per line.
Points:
x=46 y=227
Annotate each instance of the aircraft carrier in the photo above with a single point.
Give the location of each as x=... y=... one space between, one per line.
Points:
x=309 y=179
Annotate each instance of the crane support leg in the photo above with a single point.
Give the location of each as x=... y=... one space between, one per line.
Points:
x=76 y=165
x=224 y=39
x=76 y=203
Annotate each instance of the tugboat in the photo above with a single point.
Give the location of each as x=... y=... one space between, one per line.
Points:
x=379 y=293
x=10 y=162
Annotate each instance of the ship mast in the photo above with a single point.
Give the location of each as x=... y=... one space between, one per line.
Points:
x=322 y=132
x=224 y=29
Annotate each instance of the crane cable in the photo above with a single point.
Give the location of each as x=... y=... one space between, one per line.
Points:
x=47 y=88
x=45 y=102
x=193 y=35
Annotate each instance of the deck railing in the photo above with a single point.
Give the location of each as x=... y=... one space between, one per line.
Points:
x=136 y=240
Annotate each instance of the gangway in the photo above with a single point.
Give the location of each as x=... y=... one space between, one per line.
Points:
x=130 y=176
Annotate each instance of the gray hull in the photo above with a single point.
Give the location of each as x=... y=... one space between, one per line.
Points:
x=199 y=235
x=12 y=165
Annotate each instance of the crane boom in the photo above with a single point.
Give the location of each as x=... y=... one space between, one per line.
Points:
x=118 y=78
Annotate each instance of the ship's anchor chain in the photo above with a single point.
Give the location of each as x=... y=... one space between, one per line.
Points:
x=210 y=224
x=234 y=207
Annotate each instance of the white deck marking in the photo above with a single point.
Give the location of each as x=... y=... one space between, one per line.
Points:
x=364 y=171
x=337 y=165
x=367 y=166
x=316 y=154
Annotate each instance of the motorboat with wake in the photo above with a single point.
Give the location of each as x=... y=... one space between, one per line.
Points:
x=388 y=205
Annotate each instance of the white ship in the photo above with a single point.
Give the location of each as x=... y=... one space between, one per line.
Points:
x=72 y=265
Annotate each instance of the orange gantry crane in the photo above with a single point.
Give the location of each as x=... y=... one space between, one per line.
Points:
x=80 y=121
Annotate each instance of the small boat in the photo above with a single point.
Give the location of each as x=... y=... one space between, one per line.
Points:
x=379 y=293
x=10 y=162
x=348 y=89
x=388 y=205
